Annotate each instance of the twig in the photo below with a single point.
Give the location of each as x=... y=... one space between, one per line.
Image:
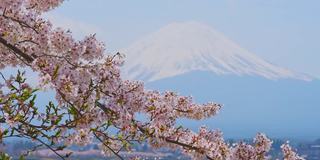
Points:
x=114 y=152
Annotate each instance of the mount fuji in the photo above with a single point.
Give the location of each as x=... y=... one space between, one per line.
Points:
x=194 y=59
x=180 y=48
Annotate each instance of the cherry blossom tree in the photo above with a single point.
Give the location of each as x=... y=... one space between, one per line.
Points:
x=92 y=98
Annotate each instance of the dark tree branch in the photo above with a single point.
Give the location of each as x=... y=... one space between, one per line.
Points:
x=114 y=152
x=176 y=142
x=16 y=50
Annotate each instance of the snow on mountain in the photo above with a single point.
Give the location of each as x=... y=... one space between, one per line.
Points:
x=180 y=48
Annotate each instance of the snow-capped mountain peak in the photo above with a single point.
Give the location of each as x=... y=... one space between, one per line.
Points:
x=179 y=48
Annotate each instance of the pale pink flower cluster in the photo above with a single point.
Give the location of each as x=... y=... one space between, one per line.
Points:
x=257 y=151
x=88 y=81
x=288 y=153
x=43 y=5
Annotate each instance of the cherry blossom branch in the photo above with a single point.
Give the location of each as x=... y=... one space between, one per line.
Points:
x=93 y=97
x=24 y=24
x=175 y=142
x=114 y=152
x=16 y=50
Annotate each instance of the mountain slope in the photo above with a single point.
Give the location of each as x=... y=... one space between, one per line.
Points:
x=180 y=48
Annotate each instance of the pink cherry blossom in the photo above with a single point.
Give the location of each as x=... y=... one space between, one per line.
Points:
x=94 y=97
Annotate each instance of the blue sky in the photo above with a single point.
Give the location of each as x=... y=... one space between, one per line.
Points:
x=284 y=32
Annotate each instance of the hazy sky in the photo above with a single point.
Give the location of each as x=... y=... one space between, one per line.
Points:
x=284 y=32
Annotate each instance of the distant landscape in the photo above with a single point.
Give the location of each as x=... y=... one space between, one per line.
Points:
x=308 y=149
